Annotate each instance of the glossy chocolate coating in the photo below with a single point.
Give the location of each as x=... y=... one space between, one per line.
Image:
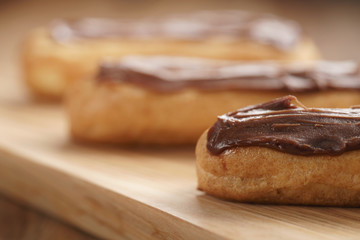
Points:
x=282 y=126
x=167 y=74
x=224 y=25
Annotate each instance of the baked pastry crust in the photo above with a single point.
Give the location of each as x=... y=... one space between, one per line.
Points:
x=262 y=175
x=117 y=112
x=50 y=66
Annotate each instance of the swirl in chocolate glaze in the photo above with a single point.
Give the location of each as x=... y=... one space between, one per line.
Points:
x=167 y=74
x=282 y=126
x=229 y=25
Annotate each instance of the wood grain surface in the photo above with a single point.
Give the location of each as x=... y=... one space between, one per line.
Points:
x=137 y=193
x=140 y=193
x=23 y=223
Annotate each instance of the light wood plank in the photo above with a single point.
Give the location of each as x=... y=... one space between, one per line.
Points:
x=137 y=193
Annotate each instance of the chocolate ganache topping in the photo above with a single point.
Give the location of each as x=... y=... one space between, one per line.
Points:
x=229 y=25
x=167 y=74
x=288 y=128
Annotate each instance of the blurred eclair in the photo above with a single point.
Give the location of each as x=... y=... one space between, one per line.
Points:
x=65 y=51
x=172 y=100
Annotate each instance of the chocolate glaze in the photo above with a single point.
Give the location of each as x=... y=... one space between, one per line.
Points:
x=229 y=25
x=166 y=74
x=282 y=126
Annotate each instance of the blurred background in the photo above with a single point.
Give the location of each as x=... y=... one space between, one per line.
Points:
x=333 y=24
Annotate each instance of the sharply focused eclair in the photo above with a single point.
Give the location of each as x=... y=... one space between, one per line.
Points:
x=280 y=153
x=65 y=51
x=168 y=100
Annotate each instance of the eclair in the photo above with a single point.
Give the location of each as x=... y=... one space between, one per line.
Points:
x=169 y=100
x=69 y=50
x=281 y=153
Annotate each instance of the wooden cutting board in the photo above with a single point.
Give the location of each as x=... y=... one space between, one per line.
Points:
x=137 y=193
